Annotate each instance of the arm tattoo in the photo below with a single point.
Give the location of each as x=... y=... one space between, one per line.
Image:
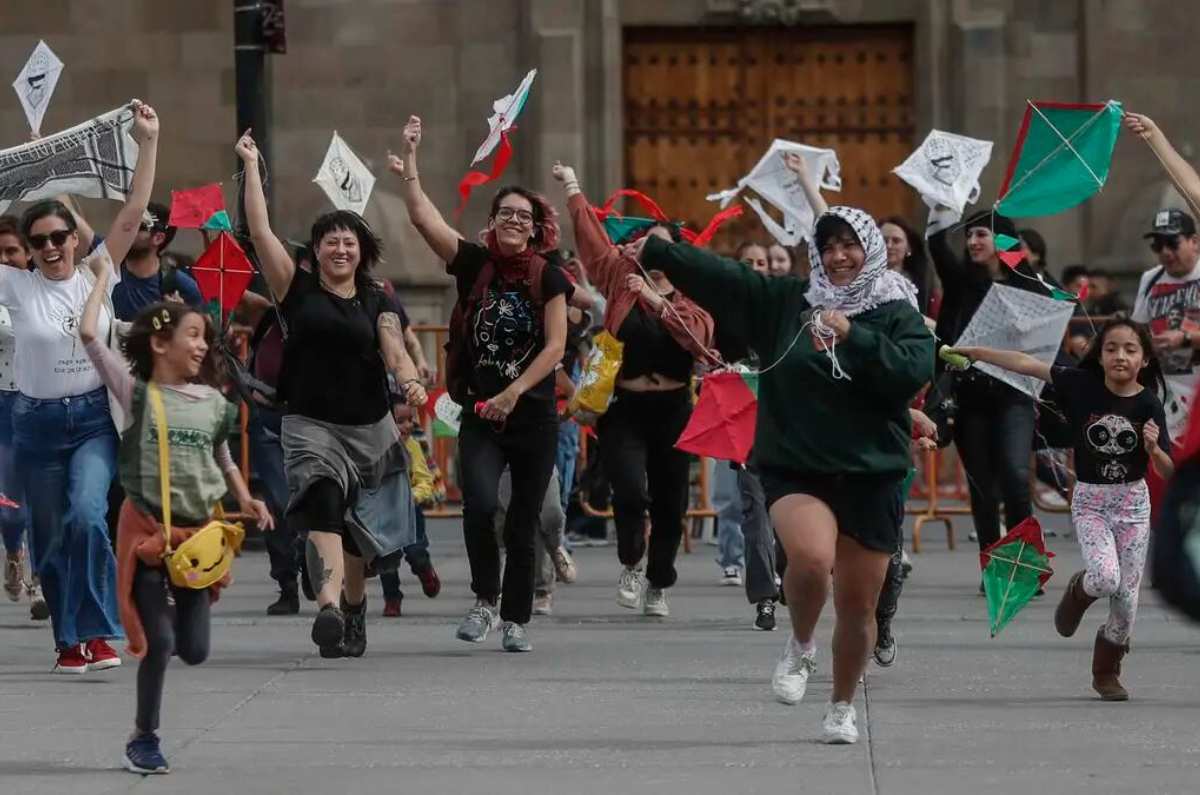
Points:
x=389 y=321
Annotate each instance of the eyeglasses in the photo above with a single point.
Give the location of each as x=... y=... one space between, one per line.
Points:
x=57 y=237
x=523 y=217
x=1159 y=243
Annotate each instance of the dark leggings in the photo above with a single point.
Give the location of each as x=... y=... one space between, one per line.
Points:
x=183 y=631
x=637 y=446
x=994 y=434
x=889 y=596
x=527 y=448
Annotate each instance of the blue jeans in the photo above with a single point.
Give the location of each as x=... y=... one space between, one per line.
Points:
x=68 y=453
x=727 y=502
x=12 y=520
x=565 y=458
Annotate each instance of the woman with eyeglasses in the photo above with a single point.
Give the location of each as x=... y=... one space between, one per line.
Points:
x=507 y=335
x=63 y=432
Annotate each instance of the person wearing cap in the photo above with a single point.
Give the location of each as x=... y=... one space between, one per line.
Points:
x=144 y=280
x=1168 y=300
x=994 y=423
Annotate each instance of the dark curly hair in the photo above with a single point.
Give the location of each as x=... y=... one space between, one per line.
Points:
x=545 y=217
x=162 y=320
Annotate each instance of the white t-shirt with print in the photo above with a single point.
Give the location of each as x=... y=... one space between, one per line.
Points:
x=1173 y=303
x=50 y=359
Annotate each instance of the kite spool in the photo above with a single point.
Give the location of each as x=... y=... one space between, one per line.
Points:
x=956 y=360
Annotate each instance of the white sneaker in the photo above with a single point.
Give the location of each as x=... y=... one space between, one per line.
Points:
x=656 y=602
x=38 y=609
x=629 y=588
x=731 y=575
x=838 y=727
x=792 y=672
x=543 y=604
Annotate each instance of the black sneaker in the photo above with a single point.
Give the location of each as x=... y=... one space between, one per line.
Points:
x=327 y=630
x=354 y=639
x=885 y=649
x=142 y=755
x=288 y=603
x=765 y=620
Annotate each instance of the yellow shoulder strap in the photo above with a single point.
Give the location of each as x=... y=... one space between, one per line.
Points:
x=164 y=457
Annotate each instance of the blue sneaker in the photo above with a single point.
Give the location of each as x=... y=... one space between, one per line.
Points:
x=142 y=755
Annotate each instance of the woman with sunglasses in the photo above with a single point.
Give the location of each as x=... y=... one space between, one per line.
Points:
x=507 y=337
x=63 y=433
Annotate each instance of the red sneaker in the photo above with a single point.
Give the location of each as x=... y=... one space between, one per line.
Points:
x=71 y=661
x=431 y=585
x=391 y=608
x=100 y=655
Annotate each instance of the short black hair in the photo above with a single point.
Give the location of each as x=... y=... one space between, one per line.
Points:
x=161 y=214
x=370 y=247
x=832 y=227
x=11 y=225
x=44 y=209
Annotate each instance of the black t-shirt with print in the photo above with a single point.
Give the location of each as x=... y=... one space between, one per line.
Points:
x=507 y=328
x=1107 y=428
x=332 y=368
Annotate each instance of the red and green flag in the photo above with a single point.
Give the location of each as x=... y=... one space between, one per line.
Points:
x=1014 y=569
x=724 y=419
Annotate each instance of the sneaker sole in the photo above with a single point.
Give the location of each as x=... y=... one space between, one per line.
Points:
x=60 y=669
x=789 y=700
x=39 y=611
x=518 y=649
x=631 y=604
x=469 y=639
x=104 y=665
x=840 y=739
x=731 y=583
x=144 y=771
x=761 y=628
x=657 y=613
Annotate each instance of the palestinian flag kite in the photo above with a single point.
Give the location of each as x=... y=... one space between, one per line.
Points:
x=724 y=419
x=1014 y=568
x=200 y=208
x=223 y=273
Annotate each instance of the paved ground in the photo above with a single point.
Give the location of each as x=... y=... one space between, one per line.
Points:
x=611 y=702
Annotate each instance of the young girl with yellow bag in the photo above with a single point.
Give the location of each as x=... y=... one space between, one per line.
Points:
x=168 y=397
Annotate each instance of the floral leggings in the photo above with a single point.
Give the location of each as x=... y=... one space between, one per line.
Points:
x=1113 y=525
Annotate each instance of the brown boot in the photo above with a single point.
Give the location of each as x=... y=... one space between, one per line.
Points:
x=1106 y=667
x=1074 y=604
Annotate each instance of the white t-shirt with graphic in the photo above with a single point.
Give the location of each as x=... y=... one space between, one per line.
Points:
x=1172 y=303
x=50 y=359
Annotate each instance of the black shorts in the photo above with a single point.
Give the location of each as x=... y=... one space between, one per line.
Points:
x=869 y=508
x=323 y=508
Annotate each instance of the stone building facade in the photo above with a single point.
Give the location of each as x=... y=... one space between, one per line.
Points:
x=362 y=66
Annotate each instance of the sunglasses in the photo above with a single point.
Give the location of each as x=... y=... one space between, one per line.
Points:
x=1159 y=243
x=58 y=237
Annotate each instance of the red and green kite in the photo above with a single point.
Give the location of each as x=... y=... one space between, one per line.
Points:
x=1014 y=568
x=1061 y=158
x=724 y=419
x=200 y=208
x=223 y=273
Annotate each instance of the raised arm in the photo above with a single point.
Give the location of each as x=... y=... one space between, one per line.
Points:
x=1013 y=361
x=795 y=163
x=605 y=265
x=125 y=226
x=440 y=236
x=397 y=360
x=277 y=266
x=113 y=372
x=1179 y=170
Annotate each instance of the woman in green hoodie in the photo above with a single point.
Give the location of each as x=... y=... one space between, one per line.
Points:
x=844 y=355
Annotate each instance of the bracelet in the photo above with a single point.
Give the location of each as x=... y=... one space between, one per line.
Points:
x=413 y=178
x=409 y=381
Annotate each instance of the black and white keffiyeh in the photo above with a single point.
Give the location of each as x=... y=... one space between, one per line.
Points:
x=94 y=159
x=875 y=284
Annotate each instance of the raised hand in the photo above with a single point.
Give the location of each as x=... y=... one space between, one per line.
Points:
x=246 y=149
x=1141 y=126
x=145 y=122
x=795 y=162
x=412 y=134
x=395 y=164
x=563 y=174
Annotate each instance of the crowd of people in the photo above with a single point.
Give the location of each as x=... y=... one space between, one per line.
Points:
x=108 y=360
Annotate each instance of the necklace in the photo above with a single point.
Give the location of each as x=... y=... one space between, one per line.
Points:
x=343 y=294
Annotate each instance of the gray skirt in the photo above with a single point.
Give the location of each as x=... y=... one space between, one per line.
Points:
x=369 y=464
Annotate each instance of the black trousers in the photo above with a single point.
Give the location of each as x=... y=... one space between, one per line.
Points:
x=994 y=435
x=889 y=596
x=527 y=447
x=759 y=536
x=637 y=445
x=183 y=630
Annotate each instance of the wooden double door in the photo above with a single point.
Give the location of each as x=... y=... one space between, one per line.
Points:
x=703 y=104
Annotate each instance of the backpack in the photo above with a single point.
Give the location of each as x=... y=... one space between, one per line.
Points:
x=460 y=359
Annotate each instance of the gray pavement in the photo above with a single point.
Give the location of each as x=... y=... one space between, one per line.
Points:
x=612 y=702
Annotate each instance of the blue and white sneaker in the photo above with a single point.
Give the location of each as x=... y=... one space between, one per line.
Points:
x=142 y=755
